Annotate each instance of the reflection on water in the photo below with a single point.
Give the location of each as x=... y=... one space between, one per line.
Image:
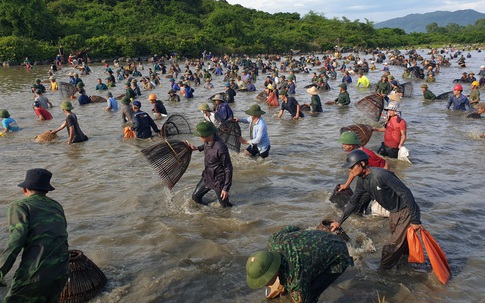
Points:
x=155 y=245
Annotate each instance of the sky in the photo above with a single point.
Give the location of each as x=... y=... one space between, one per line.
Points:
x=375 y=10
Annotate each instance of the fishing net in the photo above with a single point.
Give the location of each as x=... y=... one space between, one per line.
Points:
x=119 y=97
x=444 y=96
x=230 y=133
x=262 y=96
x=67 y=89
x=406 y=89
x=363 y=132
x=47 y=136
x=170 y=160
x=97 y=99
x=85 y=281
x=372 y=106
x=175 y=125
x=341 y=198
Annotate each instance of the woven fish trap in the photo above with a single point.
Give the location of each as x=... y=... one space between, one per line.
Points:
x=175 y=125
x=85 y=281
x=230 y=133
x=444 y=96
x=97 y=99
x=406 y=89
x=67 y=89
x=46 y=137
x=371 y=106
x=170 y=160
x=363 y=132
x=262 y=96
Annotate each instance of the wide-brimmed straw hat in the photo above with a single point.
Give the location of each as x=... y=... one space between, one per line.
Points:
x=255 y=110
x=218 y=97
x=312 y=90
x=261 y=267
x=37 y=179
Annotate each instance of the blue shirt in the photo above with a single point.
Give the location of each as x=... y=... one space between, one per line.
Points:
x=112 y=103
x=83 y=99
x=459 y=103
x=10 y=124
x=224 y=111
x=259 y=136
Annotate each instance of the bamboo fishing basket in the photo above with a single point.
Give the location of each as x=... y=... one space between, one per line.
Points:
x=47 y=136
x=85 y=281
x=230 y=133
x=363 y=132
x=67 y=89
x=170 y=160
x=371 y=106
x=175 y=125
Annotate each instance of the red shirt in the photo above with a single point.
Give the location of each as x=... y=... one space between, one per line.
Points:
x=374 y=160
x=392 y=136
x=44 y=112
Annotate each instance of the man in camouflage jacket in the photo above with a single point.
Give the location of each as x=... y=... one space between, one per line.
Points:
x=37 y=226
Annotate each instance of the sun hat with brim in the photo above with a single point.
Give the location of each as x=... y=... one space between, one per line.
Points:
x=349 y=137
x=4 y=113
x=261 y=267
x=66 y=105
x=204 y=107
x=218 y=97
x=393 y=105
x=312 y=90
x=271 y=87
x=205 y=129
x=424 y=85
x=37 y=179
x=343 y=85
x=255 y=110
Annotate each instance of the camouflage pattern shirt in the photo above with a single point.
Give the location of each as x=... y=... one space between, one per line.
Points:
x=305 y=254
x=38 y=226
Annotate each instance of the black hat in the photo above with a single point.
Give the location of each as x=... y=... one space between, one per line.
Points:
x=37 y=179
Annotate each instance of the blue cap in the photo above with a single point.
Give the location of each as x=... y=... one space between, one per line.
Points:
x=227 y=84
x=137 y=104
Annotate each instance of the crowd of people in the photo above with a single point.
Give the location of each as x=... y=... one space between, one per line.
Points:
x=303 y=263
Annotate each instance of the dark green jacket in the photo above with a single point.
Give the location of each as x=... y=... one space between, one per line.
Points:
x=37 y=226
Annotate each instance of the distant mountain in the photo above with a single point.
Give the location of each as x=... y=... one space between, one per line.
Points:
x=418 y=22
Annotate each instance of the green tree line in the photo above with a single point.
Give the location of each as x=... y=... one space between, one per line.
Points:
x=130 y=28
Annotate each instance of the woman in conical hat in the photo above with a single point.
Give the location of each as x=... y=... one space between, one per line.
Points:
x=315 y=103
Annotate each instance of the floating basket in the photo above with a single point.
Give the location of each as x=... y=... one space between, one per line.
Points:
x=46 y=137
x=363 y=132
x=175 y=125
x=170 y=159
x=372 y=106
x=230 y=133
x=97 y=99
x=85 y=281
x=67 y=89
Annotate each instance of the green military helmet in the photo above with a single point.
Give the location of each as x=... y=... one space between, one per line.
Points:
x=4 y=113
x=349 y=137
x=205 y=129
x=261 y=267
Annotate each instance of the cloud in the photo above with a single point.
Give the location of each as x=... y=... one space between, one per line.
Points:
x=376 y=10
